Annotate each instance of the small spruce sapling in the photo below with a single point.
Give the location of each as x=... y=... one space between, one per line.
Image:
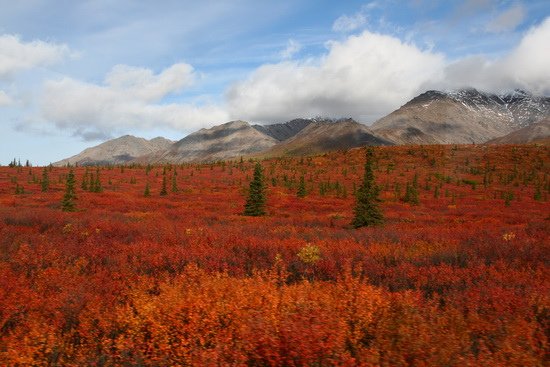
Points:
x=255 y=204
x=367 y=212
x=68 y=202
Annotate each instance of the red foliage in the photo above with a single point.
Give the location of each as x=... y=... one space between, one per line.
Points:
x=459 y=280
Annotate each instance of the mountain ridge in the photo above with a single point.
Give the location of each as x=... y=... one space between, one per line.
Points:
x=322 y=136
x=229 y=140
x=461 y=117
x=121 y=150
x=465 y=116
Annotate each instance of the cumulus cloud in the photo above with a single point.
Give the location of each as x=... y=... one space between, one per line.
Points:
x=5 y=99
x=525 y=67
x=16 y=55
x=143 y=84
x=129 y=98
x=364 y=77
x=507 y=20
x=292 y=47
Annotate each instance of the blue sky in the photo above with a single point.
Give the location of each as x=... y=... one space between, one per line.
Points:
x=74 y=73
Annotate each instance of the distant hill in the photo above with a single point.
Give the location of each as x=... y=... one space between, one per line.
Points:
x=117 y=151
x=229 y=140
x=537 y=132
x=324 y=136
x=461 y=117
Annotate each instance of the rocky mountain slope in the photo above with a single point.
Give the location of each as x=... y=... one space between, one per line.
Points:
x=226 y=141
x=323 y=136
x=461 y=117
x=537 y=132
x=285 y=130
x=117 y=151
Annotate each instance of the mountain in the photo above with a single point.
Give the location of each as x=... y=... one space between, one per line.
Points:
x=526 y=108
x=285 y=130
x=229 y=140
x=323 y=136
x=117 y=151
x=461 y=117
x=535 y=133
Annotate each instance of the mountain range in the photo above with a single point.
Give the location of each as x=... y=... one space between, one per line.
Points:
x=463 y=117
x=460 y=117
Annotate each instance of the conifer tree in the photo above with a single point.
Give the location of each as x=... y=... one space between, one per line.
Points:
x=96 y=183
x=255 y=204
x=411 y=192
x=301 y=188
x=84 y=184
x=147 y=191
x=174 y=182
x=19 y=189
x=163 y=191
x=45 y=183
x=367 y=212
x=538 y=192
x=68 y=205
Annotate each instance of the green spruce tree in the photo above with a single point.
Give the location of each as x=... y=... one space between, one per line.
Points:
x=174 y=182
x=301 y=188
x=538 y=192
x=255 y=204
x=68 y=204
x=147 y=191
x=45 y=183
x=411 y=192
x=19 y=189
x=96 y=185
x=367 y=212
x=163 y=190
x=84 y=183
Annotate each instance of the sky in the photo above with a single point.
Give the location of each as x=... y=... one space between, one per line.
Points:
x=76 y=73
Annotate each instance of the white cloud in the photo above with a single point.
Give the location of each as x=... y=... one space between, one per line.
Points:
x=364 y=77
x=367 y=76
x=507 y=20
x=142 y=84
x=128 y=99
x=292 y=47
x=526 y=67
x=5 y=99
x=16 y=55
x=349 y=23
